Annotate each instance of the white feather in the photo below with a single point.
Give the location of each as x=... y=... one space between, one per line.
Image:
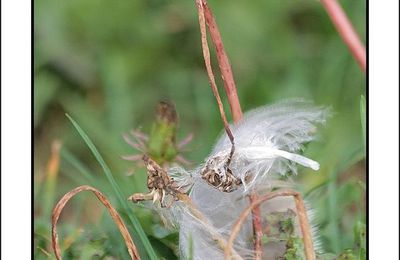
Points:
x=266 y=143
x=267 y=140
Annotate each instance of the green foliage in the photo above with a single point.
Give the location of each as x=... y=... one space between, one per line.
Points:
x=348 y=254
x=360 y=240
x=294 y=249
x=281 y=229
x=108 y=63
x=363 y=115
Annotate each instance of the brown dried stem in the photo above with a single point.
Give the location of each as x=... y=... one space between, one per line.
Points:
x=205 y=13
x=301 y=212
x=257 y=227
x=206 y=55
x=114 y=214
x=224 y=66
x=346 y=31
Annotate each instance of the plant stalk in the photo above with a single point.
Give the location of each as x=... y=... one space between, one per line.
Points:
x=231 y=93
x=346 y=31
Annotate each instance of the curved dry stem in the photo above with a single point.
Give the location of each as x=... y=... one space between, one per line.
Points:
x=114 y=214
x=301 y=212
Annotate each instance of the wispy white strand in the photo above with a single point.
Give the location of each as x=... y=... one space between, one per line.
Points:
x=183 y=178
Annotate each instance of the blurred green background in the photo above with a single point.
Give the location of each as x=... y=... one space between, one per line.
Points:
x=108 y=63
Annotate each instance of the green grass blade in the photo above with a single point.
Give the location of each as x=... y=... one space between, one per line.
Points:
x=363 y=114
x=122 y=199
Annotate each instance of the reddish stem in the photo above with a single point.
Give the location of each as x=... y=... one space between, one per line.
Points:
x=207 y=60
x=346 y=31
x=233 y=99
x=224 y=65
x=257 y=227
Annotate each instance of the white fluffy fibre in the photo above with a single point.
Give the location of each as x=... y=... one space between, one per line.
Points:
x=266 y=143
x=222 y=210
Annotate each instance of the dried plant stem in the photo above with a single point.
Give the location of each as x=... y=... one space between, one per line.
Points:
x=114 y=214
x=301 y=212
x=224 y=66
x=206 y=55
x=257 y=227
x=204 y=13
x=346 y=31
x=204 y=221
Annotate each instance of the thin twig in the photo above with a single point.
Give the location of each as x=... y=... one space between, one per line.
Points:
x=114 y=214
x=346 y=31
x=224 y=65
x=305 y=227
x=204 y=12
x=206 y=55
x=301 y=212
x=257 y=228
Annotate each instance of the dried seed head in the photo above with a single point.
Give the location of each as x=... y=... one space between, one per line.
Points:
x=217 y=173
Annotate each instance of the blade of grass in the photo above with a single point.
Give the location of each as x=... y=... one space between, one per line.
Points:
x=134 y=221
x=363 y=114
